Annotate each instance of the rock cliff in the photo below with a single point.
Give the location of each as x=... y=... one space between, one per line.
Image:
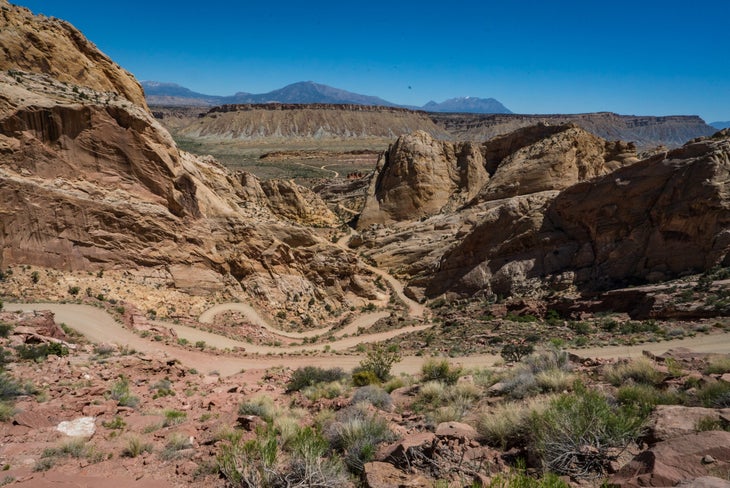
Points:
x=560 y=208
x=291 y=122
x=93 y=182
x=645 y=131
x=38 y=44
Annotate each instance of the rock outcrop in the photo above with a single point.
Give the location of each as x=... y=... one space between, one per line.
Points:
x=559 y=208
x=93 y=182
x=420 y=176
x=40 y=44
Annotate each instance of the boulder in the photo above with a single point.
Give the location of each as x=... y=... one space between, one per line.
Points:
x=677 y=460
x=456 y=430
x=671 y=421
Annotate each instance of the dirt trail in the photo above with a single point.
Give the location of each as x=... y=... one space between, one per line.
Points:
x=365 y=321
x=98 y=326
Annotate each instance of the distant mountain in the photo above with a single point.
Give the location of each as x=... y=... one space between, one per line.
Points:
x=158 y=93
x=171 y=94
x=721 y=125
x=309 y=92
x=468 y=105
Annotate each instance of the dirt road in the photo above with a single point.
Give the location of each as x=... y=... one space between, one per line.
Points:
x=98 y=327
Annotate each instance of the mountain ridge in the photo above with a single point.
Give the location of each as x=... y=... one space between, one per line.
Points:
x=308 y=92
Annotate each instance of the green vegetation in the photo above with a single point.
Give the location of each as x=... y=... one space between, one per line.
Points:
x=440 y=370
x=40 y=352
x=311 y=375
x=578 y=434
x=135 y=447
x=121 y=393
x=379 y=361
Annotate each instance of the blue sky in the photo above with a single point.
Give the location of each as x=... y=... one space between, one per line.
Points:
x=632 y=57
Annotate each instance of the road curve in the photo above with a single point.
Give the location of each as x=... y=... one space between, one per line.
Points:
x=362 y=321
x=99 y=327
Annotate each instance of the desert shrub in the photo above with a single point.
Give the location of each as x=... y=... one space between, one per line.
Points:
x=440 y=370
x=40 y=352
x=135 y=447
x=311 y=375
x=176 y=443
x=519 y=478
x=6 y=357
x=7 y=410
x=711 y=423
x=554 y=380
x=162 y=389
x=173 y=417
x=380 y=360
x=104 y=350
x=73 y=290
x=261 y=406
x=715 y=395
x=579 y=434
x=514 y=352
x=324 y=390
x=639 y=370
x=121 y=393
x=508 y=424
x=250 y=464
x=374 y=395
x=356 y=434
x=646 y=397
x=718 y=365
x=310 y=465
x=364 y=378
x=431 y=392
x=11 y=388
x=5 y=328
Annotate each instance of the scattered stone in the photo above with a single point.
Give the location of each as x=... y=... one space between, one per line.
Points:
x=80 y=427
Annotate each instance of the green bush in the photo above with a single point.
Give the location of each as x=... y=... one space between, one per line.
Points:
x=577 y=434
x=5 y=328
x=174 y=417
x=514 y=352
x=646 y=397
x=311 y=375
x=440 y=370
x=364 y=378
x=135 y=447
x=380 y=360
x=40 y=352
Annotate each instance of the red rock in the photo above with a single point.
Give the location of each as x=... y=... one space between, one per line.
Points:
x=673 y=461
x=670 y=421
x=456 y=430
x=384 y=475
x=36 y=419
x=400 y=452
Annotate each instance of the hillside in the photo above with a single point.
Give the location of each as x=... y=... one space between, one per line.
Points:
x=287 y=122
x=645 y=131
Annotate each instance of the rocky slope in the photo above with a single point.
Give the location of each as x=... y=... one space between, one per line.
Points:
x=314 y=121
x=54 y=47
x=645 y=131
x=560 y=208
x=91 y=181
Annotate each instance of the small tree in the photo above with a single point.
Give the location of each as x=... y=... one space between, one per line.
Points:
x=380 y=360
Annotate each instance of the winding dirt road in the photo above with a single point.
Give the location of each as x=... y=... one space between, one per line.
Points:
x=99 y=327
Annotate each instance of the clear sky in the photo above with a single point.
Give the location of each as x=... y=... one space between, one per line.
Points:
x=643 y=57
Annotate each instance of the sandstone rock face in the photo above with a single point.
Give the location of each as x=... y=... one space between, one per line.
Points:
x=54 y=47
x=544 y=158
x=559 y=208
x=296 y=203
x=670 y=421
x=420 y=176
x=97 y=183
